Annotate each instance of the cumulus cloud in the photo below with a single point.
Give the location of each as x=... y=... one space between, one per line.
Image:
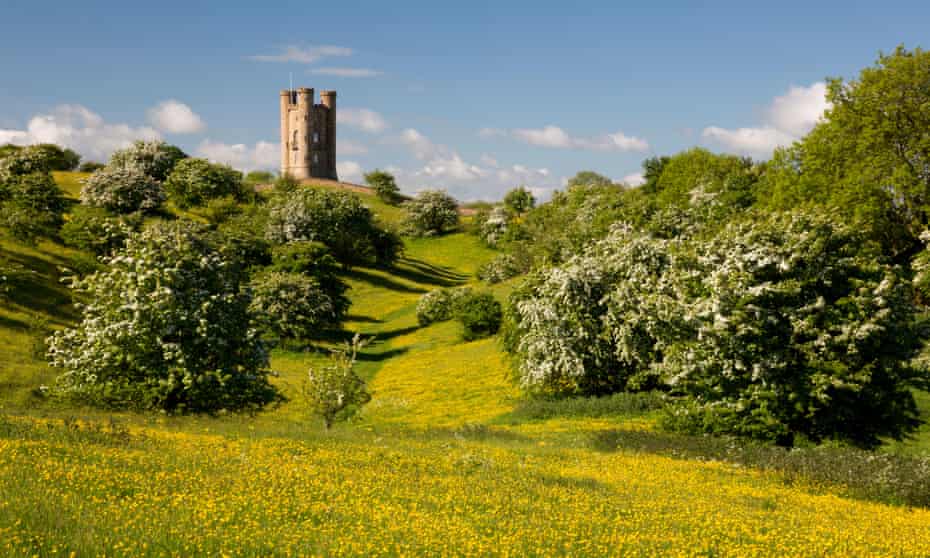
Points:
x=303 y=54
x=347 y=72
x=364 y=119
x=634 y=179
x=174 y=117
x=349 y=171
x=261 y=156
x=80 y=129
x=557 y=138
x=421 y=146
x=785 y=121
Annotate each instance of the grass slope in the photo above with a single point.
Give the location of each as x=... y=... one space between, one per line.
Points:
x=439 y=463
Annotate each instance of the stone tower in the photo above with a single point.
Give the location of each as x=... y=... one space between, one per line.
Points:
x=308 y=134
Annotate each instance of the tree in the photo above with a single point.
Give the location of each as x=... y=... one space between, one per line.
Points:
x=519 y=200
x=431 y=212
x=31 y=203
x=870 y=155
x=56 y=158
x=338 y=219
x=165 y=326
x=291 y=305
x=335 y=391
x=801 y=328
x=155 y=159
x=480 y=315
x=589 y=178
x=384 y=185
x=196 y=181
x=94 y=230
x=122 y=189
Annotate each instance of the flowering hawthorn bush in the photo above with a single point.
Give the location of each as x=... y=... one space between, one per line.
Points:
x=94 y=230
x=439 y=305
x=196 y=181
x=788 y=325
x=336 y=391
x=122 y=189
x=337 y=219
x=155 y=159
x=166 y=326
x=431 y=212
x=291 y=305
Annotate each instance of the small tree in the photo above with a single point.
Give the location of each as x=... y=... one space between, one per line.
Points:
x=196 y=181
x=31 y=205
x=94 y=230
x=123 y=189
x=384 y=185
x=335 y=391
x=56 y=158
x=519 y=200
x=431 y=212
x=165 y=326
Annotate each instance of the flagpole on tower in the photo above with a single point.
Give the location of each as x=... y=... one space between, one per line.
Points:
x=291 y=77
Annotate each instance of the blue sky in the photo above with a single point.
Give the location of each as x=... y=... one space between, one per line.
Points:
x=475 y=97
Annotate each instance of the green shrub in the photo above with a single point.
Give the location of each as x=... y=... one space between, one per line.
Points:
x=241 y=238
x=505 y=266
x=480 y=314
x=90 y=166
x=313 y=259
x=338 y=219
x=622 y=404
x=194 y=182
x=430 y=213
x=291 y=305
x=122 y=189
x=382 y=182
x=56 y=158
x=95 y=230
x=440 y=305
x=165 y=326
x=31 y=203
x=220 y=210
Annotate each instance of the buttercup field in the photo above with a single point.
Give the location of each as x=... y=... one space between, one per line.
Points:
x=464 y=280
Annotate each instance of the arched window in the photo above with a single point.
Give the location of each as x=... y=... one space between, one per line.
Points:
x=294 y=142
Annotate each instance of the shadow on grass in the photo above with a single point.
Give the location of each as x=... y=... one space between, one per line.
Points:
x=378 y=356
x=379 y=281
x=362 y=319
x=421 y=272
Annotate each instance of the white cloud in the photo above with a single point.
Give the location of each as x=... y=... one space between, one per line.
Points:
x=347 y=72
x=80 y=129
x=452 y=168
x=349 y=171
x=421 y=146
x=786 y=120
x=174 y=117
x=263 y=155
x=634 y=179
x=349 y=147
x=557 y=138
x=363 y=119
x=303 y=55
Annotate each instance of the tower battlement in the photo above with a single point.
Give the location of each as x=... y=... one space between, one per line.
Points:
x=308 y=134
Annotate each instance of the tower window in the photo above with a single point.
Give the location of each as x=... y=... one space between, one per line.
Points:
x=316 y=137
x=294 y=143
x=316 y=158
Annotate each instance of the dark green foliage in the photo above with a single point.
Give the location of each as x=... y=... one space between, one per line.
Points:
x=56 y=158
x=90 y=166
x=883 y=477
x=384 y=185
x=241 y=238
x=31 y=203
x=196 y=181
x=97 y=231
x=313 y=259
x=220 y=210
x=291 y=305
x=480 y=314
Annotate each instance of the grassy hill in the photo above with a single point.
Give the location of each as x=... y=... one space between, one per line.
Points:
x=442 y=461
